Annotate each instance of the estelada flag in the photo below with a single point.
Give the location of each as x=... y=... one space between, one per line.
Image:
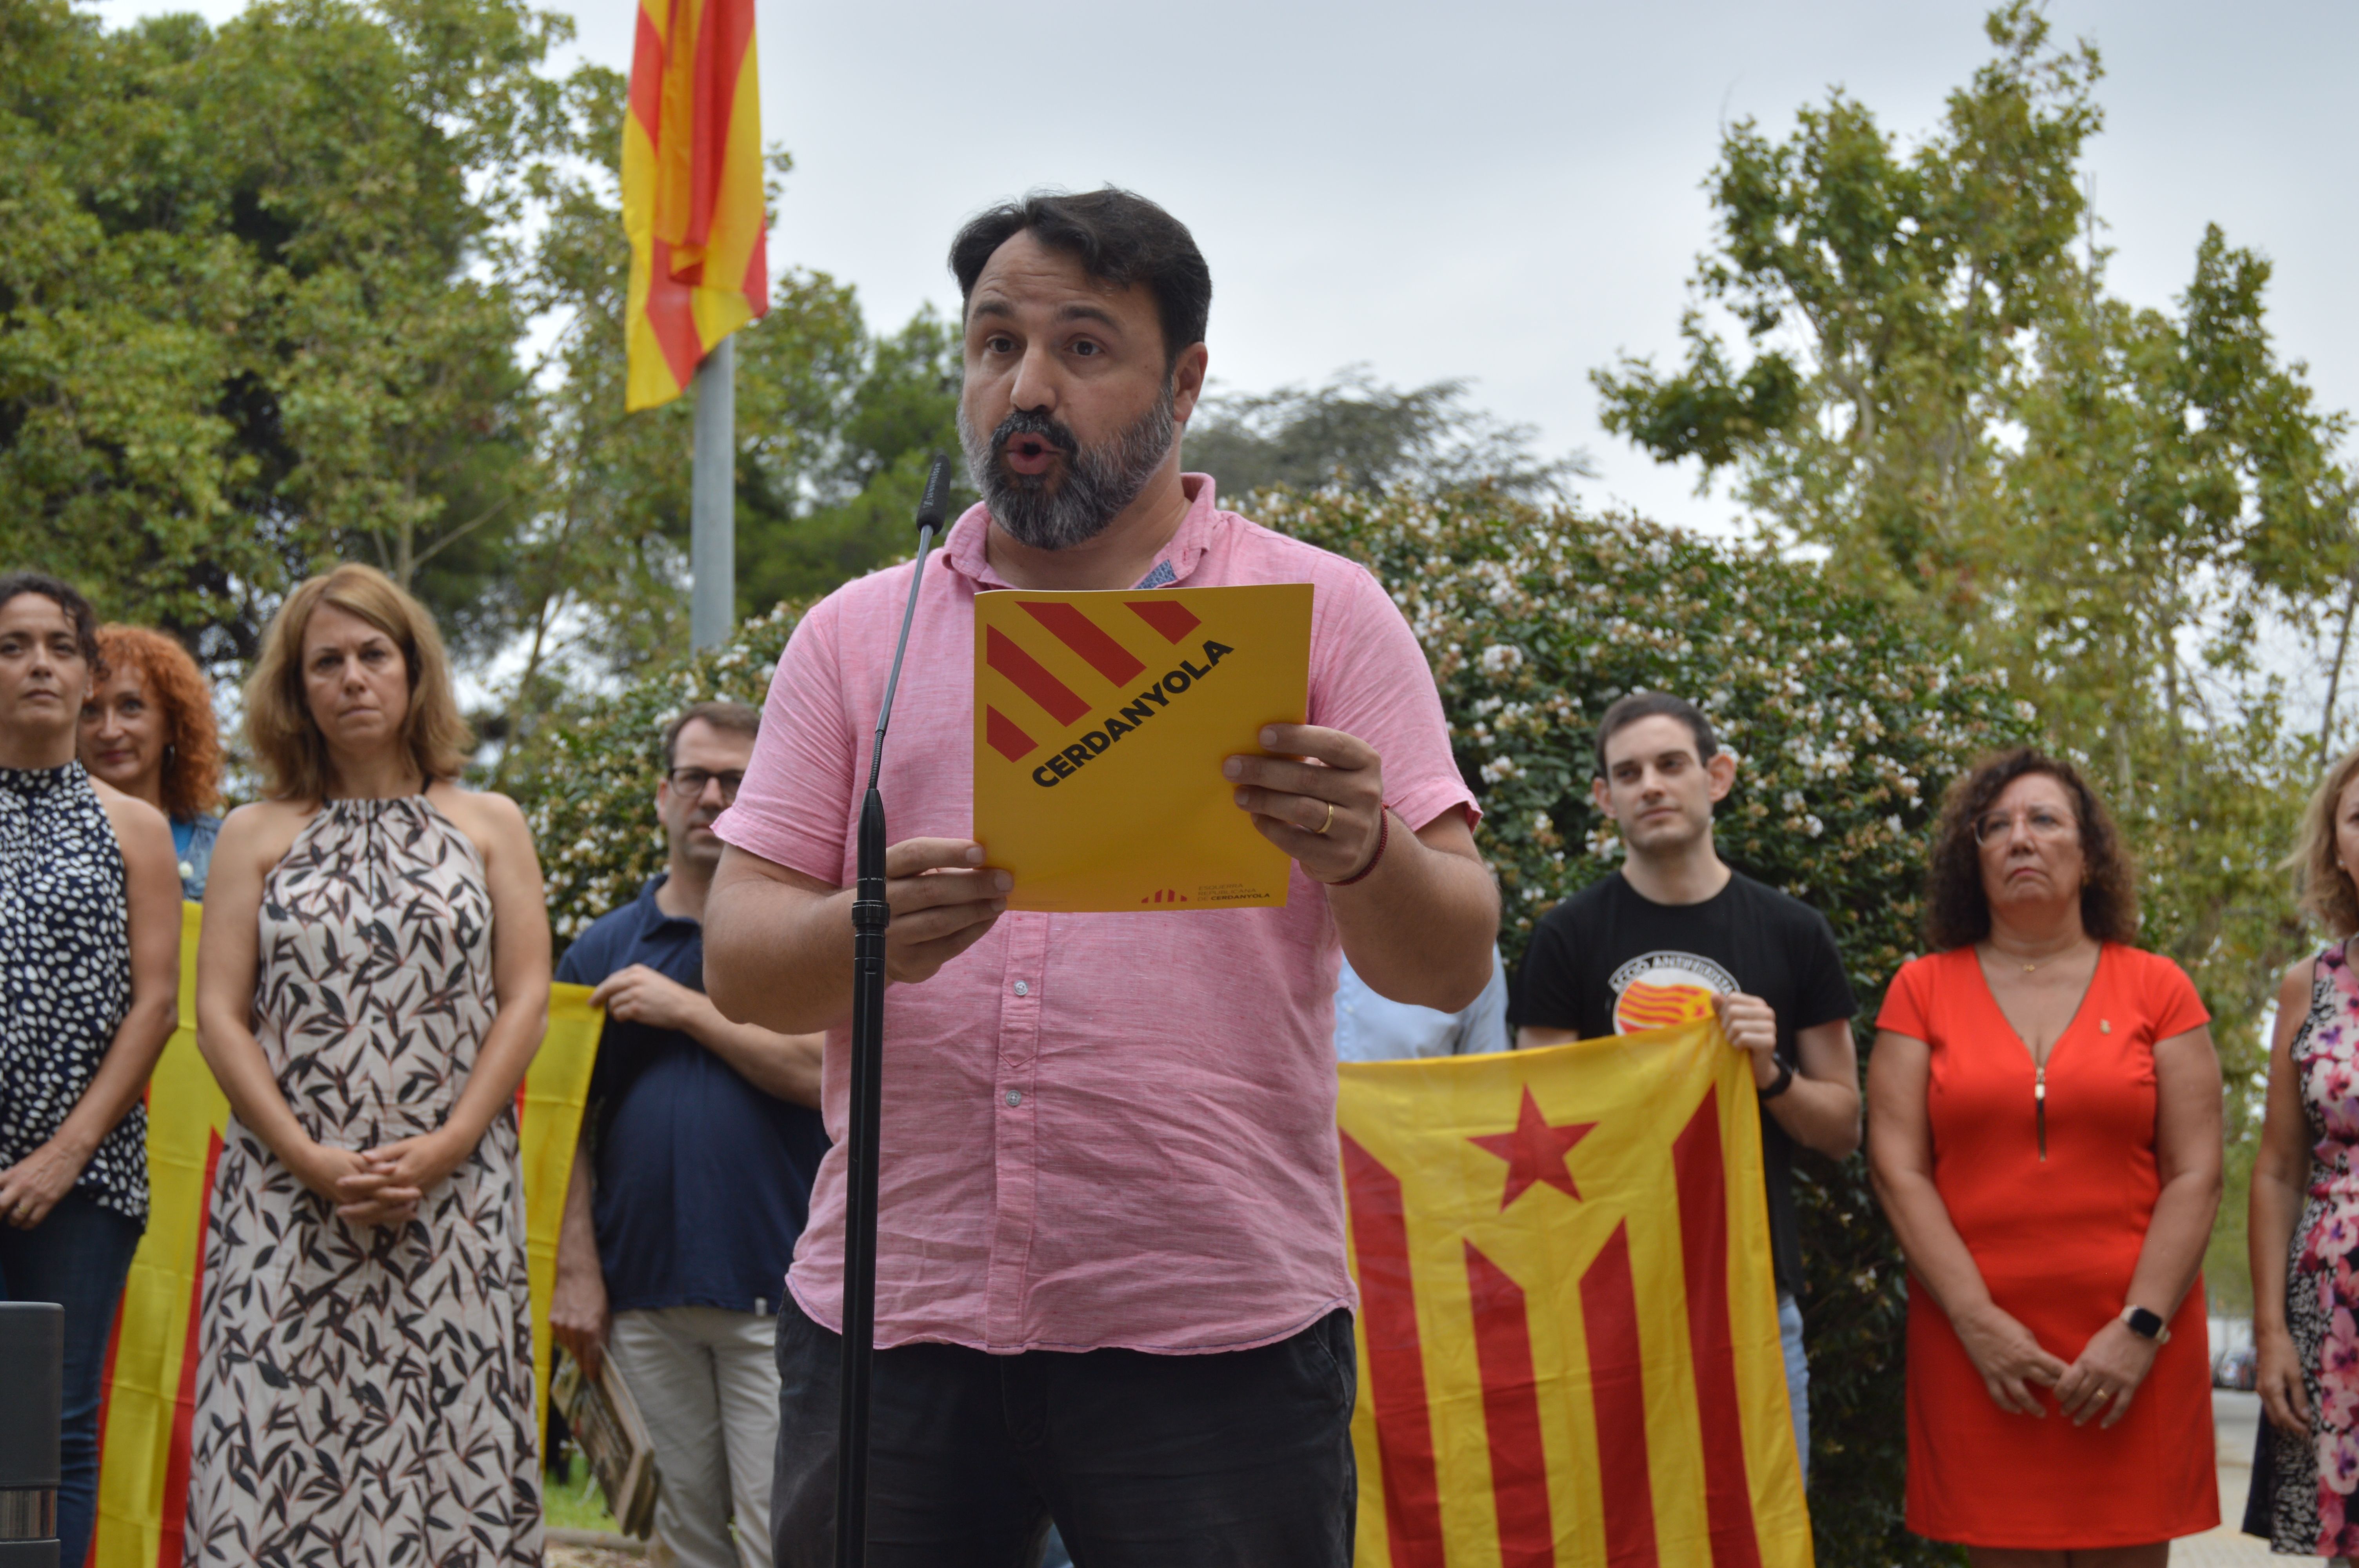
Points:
x=149 y=1400
x=692 y=190
x=1568 y=1345
x=1100 y=722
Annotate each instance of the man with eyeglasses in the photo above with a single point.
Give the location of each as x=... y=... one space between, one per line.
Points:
x=1678 y=934
x=693 y=1179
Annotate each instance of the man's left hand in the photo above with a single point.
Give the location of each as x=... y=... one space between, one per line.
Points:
x=1321 y=801
x=1751 y=1025
x=639 y=995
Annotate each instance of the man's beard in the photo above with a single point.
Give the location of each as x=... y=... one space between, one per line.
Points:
x=1098 y=481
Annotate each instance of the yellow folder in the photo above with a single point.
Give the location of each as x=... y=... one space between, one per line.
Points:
x=1100 y=722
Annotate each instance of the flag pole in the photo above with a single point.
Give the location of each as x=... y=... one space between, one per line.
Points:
x=712 y=503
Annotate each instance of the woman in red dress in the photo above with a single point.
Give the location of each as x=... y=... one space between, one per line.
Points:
x=2044 y=1133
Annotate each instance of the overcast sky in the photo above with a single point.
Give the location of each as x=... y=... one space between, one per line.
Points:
x=1504 y=191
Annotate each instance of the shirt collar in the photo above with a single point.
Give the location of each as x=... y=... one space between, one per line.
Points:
x=963 y=551
x=655 y=915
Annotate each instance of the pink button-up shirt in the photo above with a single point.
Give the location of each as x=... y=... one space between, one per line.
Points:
x=1099 y=1129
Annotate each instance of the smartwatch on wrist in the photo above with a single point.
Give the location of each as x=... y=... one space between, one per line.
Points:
x=1781 y=1083
x=2145 y=1324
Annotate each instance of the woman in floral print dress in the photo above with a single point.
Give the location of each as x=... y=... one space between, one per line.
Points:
x=2304 y=1225
x=373 y=980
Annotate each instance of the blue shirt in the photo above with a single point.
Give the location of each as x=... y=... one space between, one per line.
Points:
x=704 y=1180
x=1370 y=1028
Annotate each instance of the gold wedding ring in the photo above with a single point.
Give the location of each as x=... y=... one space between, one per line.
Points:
x=1322 y=827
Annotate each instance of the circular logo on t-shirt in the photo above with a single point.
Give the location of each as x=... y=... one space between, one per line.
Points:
x=1659 y=990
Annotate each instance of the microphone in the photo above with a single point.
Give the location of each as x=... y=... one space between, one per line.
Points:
x=935 y=502
x=870 y=915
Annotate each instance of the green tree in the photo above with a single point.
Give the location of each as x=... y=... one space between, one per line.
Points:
x=1358 y=433
x=259 y=308
x=1928 y=381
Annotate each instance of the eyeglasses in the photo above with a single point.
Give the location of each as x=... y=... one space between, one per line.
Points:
x=2045 y=822
x=690 y=782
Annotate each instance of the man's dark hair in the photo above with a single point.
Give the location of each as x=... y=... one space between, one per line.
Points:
x=1628 y=710
x=734 y=716
x=78 y=613
x=1957 y=911
x=1119 y=237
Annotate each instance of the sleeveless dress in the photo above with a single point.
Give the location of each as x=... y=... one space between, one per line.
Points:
x=2053 y=1199
x=365 y=1395
x=2310 y=1480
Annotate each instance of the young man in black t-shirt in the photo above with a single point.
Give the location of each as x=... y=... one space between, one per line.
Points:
x=1675 y=934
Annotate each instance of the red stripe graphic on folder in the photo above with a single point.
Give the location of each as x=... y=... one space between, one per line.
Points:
x=1005 y=737
x=1032 y=678
x=1085 y=637
x=1169 y=616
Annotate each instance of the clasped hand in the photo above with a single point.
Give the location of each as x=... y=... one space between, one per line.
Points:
x=382 y=1186
x=2099 y=1385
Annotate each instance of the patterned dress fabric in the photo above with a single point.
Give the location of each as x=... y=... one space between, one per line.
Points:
x=2311 y=1512
x=365 y=1395
x=65 y=974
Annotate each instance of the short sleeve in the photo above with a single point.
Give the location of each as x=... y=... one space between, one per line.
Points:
x=1825 y=994
x=1547 y=988
x=1370 y=680
x=2171 y=998
x=1904 y=1011
x=795 y=806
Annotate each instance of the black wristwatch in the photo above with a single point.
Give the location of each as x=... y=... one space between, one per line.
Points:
x=2145 y=1324
x=1781 y=1083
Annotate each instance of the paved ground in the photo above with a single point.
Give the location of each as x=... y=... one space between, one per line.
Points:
x=2235 y=1419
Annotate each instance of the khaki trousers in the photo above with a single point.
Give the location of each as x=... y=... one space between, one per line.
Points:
x=707 y=1384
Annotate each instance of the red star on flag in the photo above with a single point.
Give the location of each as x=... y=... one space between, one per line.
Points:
x=1535 y=1151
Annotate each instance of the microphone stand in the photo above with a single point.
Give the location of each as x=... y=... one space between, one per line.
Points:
x=870 y=915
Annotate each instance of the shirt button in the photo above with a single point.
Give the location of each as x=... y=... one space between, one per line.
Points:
x=1021 y=989
x=1015 y=1097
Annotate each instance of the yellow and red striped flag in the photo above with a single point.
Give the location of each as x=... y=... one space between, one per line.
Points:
x=149 y=1401
x=1568 y=1347
x=692 y=190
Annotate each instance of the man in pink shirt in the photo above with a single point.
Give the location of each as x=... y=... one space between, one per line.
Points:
x=1111 y=1284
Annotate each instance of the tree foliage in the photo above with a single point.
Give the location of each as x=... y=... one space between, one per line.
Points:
x=256 y=307
x=345 y=279
x=1359 y=434
x=1925 y=377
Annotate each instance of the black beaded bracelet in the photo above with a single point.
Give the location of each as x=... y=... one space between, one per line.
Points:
x=1384 y=836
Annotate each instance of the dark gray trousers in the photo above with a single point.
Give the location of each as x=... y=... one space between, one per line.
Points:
x=1235 y=1458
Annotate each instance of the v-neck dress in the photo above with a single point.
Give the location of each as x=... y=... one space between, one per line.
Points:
x=2057 y=1237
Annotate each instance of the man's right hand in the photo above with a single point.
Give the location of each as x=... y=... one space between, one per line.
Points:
x=577 y=1318
x=943 y=898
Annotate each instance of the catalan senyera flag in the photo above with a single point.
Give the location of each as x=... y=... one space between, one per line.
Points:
x=151 y=1366
x=1568 y=1332
x=692 y=189
x=1100 y=721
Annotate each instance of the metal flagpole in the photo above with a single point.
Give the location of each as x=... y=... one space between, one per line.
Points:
x=713 y=503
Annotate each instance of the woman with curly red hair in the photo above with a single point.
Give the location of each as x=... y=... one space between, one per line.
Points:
x=149 y=731
x=2044 y=1133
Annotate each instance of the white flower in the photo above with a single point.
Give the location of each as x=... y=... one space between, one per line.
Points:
x=1500 y=657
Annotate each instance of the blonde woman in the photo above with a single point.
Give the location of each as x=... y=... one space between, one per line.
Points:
x=2303 y=1227
x=373 y=980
